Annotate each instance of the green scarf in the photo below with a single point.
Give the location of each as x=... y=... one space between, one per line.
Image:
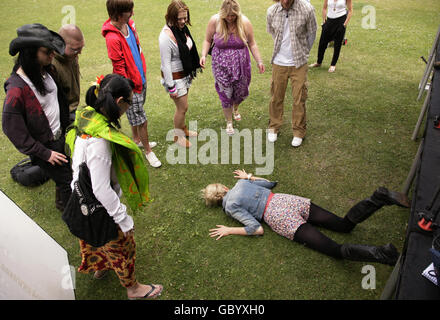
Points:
x=134 y=182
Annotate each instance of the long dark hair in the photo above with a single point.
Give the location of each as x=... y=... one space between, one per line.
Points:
x=111 y=87
x=27 y=60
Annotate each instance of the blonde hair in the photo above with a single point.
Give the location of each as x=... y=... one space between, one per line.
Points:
x=230 y=7
x=213 y=194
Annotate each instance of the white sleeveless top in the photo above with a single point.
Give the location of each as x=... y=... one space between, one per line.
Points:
x=336 y=8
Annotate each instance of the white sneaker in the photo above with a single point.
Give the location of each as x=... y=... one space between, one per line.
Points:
x=152 y=159
x=152 y=144
x=272 y=136
x=296 y=142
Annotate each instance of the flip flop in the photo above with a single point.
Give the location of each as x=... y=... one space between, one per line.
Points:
x=148 y=295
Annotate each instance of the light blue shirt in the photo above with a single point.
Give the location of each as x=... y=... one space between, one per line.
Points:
x=246 y=202
x=131 y=40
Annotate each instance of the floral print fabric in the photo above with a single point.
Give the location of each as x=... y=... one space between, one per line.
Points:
x=118 y=255
x=286 y=213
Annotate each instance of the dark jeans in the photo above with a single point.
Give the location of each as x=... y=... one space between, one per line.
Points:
x=60 y=174
x=332 y=30
x=308 y=235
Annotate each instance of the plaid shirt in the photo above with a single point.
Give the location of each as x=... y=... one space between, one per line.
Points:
x=302 y=23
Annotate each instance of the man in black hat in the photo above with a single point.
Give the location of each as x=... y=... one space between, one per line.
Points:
x=35 y=111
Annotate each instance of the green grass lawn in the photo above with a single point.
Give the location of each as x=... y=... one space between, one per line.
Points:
x=360 y=122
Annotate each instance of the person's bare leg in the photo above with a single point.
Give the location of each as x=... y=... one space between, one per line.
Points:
x=228 y=114
x=135 y=134
x=237 y=115
x=179 y=120
x=143 y=136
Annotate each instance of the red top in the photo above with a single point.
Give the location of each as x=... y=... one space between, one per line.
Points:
x=267 y=203
x=120 y=54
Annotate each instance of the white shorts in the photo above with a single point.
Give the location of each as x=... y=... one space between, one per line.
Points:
x=182 y=86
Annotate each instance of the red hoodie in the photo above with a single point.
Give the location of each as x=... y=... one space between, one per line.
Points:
x=120 y=54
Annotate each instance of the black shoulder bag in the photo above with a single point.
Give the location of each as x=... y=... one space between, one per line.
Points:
x=27 y=174
x=85 y=216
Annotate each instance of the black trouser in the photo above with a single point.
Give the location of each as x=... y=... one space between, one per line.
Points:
x=308 y=235
x=61 y=174
x=332 y=30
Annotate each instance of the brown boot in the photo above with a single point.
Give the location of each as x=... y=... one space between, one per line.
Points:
x=189 y=133
x=182 y=141
x=179 y=138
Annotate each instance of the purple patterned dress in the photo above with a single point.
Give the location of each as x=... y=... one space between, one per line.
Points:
x=231 y=67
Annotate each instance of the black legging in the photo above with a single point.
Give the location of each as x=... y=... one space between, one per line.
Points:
x=61 y=174
x=308 y=235
x=332 y=30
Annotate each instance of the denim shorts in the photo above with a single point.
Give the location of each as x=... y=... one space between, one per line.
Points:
x=136 y=114
x=182 y=86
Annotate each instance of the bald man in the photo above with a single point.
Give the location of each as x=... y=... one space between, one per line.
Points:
x=67 y=65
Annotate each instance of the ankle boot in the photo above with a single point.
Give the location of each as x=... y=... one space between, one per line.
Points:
x=386 y=254
x=381 y=197
x=389 y=198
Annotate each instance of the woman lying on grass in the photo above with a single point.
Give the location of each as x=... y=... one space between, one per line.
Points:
x=294 y=217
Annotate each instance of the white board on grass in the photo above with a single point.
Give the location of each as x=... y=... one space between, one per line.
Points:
x=32 y=264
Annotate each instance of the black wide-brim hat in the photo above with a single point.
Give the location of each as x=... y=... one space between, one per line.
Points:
x=36 y=35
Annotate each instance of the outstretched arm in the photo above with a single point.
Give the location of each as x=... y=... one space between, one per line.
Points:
x=222 y=231
x=241 y=174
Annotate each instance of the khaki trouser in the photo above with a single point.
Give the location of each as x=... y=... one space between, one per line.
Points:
x=298 y=79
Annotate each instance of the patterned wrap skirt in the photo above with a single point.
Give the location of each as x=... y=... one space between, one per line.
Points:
x=285 y=213
x=118 y=255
